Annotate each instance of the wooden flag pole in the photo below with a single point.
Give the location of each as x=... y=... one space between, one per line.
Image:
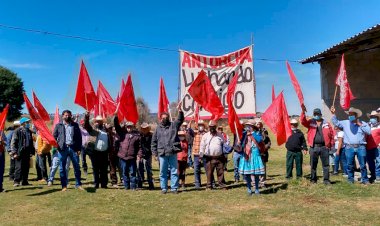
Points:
x=336 y=90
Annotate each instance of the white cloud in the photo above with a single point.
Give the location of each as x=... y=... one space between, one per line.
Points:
x=9 y=64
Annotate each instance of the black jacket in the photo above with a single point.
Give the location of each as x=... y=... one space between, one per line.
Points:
x=60 y=136
x=296 y=142
x=165 y=141
x=18 y=142
x=146 y=145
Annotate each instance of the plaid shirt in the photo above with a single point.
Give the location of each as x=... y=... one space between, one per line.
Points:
x=197 y=142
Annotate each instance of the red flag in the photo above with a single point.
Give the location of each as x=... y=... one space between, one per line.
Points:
x=204 y=94
x=345 y=91
x=277 y=119
x=273 y=93
x=127 y=105
x=56 y=118
x=105 y=101
x=163 y=101
x=85 y=95
x=295 y=83
x=233 y=119
x=3 y=118
x=39 y=123
x=40 y=108
x=119 y=114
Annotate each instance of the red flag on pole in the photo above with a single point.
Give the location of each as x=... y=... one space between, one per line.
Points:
x=40 y=108
x=163 y=101
x=85 y=95
x=105 y=101
x=345 y=91
x=273 y=94
x=119 y=114
x=295 y=83
x=39 y=123
x=3 y=118
x=277 y=119
x=127 y=105
x=56 y=118
x=233 y=119
x=202 y=91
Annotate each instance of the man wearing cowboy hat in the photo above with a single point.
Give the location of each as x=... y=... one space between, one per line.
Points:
x=129 y=153
x=212 y=148
x=295 y=144
x=354 y=140
x=373 y=146
x=11 y=131
x=196 y=147
x=146 y=160
x=22 y=149
x=102 y=145
x=320 y=138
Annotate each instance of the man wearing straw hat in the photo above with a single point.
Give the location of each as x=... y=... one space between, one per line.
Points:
x=196 y=147
x=355 y=142
x=146 y=160
x=373 y=146
x=22 y=149
x=212 y=148
x=102 y=145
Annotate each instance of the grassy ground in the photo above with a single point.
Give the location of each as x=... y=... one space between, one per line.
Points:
x=283 y=202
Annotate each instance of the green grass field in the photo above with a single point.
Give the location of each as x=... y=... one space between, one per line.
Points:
x=283 y=202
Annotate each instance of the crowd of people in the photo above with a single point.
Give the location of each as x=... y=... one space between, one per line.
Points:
x=125 y=152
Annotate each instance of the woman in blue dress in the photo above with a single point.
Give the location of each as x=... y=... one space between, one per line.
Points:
x=250 y=163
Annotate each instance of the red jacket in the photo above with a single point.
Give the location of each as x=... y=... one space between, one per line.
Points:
x=182 y=155
x=373 y=140
x=311 y=125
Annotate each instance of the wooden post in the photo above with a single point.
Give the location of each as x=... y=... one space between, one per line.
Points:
x=336 y=89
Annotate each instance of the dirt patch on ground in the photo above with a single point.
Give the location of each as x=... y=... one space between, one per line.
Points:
x=369 y=205
x=311 y=200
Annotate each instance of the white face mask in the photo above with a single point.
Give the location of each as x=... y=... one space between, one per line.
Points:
x=181 y=138
x=201 y=128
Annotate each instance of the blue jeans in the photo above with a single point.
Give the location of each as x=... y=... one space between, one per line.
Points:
x=361 y=154
x=54 y=166
x=145 y=163
x=341 y=160
x=129 y=168
x=248 y=179
x=189 y=153
x=171 y=163
x=197 y=172
x=236 y=158
x=62 y=155
x=2 y=167
x=373 y=160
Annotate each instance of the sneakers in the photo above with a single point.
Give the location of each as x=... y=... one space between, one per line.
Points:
x=327 y=182
x=16 y=184
x=2 y=190
x=64 y=189
x=50 y=184
x=249 y=192
x=175 y=191
x=257 y=192
x=163 y=192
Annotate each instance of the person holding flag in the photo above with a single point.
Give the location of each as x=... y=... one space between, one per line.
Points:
x=22 y=149
x=320 y=138
x=355 y=132
x=166 y=145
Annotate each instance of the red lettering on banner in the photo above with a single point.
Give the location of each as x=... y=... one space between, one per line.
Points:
x=204 y=59
x=186 y=60
x=195 y=61
x=213 y=62
x=230 y=61
x=223 y=60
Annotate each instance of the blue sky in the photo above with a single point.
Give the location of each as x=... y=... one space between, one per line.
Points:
x=282 y=30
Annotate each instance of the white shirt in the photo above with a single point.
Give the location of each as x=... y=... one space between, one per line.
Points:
x=340 y=134
x=211 y=145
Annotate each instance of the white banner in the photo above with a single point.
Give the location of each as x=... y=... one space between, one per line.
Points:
x=220 y=70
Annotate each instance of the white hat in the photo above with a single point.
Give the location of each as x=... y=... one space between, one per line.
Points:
x=293 y=121
x=354 y=110
x=145 y=125
x=129 y=124
x=184 y=123
x=201 y=122
x=16 y=123
x=373 y=113
x=181 y=133
x=378 y=110
x=99 y=118
x=212 y=123
x=250 y=122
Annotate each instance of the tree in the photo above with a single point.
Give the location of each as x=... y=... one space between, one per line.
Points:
x=143 y=110
x=11 y=92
